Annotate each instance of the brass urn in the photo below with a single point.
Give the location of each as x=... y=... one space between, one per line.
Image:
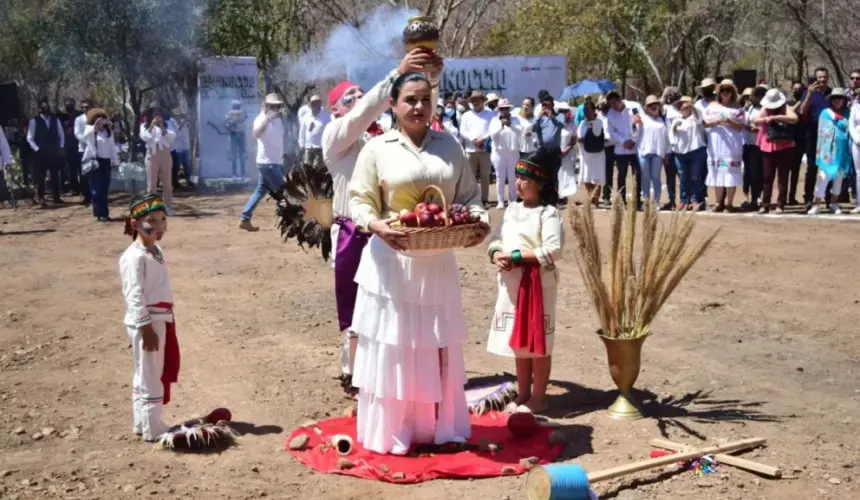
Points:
x=624 y=357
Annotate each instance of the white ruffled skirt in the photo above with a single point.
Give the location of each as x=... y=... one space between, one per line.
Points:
x=409 y=362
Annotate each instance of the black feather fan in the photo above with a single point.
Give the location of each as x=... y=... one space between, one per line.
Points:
x=304 y=208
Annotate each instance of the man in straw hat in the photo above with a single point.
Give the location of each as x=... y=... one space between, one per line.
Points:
x=311 y=131
x=269 y=131
x=707 y=94
x=355 y=114
x=475 y=131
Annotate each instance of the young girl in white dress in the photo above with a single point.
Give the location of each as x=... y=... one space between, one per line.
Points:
x=524 y=249
x=724 y=121
x=409 y=366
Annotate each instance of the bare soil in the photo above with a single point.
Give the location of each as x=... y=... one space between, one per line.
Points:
x=760 y=340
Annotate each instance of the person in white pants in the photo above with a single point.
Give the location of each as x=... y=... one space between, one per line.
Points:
x=148 y=319
x=834 y=150
x=854 y=131
x=158 y=136
x=506 y=135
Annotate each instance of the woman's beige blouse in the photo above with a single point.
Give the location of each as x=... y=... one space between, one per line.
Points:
x=391 y=173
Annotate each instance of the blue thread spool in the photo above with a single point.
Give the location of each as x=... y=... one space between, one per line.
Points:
x=558 y=482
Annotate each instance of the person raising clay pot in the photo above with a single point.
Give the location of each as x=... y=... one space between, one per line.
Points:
x=409 y=366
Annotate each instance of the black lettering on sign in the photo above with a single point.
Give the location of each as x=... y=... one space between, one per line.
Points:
x=483 y=79
x=228 y=87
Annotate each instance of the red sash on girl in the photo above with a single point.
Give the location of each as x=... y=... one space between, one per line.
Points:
x=528 y=332
x=170 y=375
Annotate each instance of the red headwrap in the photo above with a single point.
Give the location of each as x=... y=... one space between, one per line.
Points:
x=336 y=93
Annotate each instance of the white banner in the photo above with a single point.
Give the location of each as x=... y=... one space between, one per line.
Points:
x=227 y=104
x=513 y=77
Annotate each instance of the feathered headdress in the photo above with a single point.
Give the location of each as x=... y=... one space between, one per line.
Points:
x=304 y=208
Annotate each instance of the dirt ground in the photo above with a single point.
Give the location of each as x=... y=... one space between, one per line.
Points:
x=760 y=340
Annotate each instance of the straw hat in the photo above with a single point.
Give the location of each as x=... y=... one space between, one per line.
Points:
x=773 y=99
x=94 y=114
x=492 y=96
x=747 y=92
x=651 y=99
x=476 y=94
x=274 y=99
x=505 y=104
x=707 y=83
x=837 y=92
x=726 y=83
x=315 y=98
x=686 y=100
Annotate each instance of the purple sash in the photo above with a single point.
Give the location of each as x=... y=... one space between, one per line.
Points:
x=350 y=243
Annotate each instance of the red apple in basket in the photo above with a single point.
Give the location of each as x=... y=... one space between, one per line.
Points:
x=426 y=219
x=420 y=209
x=442 y=219
x=409 y=219
x=434 y=208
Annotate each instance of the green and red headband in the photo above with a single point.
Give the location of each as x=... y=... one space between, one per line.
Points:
x=531 y=170
x=140 y=207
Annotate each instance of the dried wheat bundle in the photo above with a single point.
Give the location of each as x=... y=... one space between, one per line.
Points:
x=627 y=302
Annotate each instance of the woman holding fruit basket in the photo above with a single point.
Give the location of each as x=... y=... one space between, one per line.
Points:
x=409 y=366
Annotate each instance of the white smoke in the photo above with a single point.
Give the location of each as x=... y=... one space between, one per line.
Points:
x=378 y=36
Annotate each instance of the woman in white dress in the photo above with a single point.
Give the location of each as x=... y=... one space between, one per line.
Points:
x=592 y=151
x=524 y=249
x=409 y=363
x=724 y=121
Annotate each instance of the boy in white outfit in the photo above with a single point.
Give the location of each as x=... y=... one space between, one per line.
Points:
x=149 y=319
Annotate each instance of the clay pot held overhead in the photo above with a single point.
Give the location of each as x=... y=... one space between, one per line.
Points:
x=421 y=31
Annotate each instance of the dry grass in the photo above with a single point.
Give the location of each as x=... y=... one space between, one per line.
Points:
x=627 y=302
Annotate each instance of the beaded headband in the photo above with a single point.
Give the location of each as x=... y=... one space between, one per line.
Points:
x=530 y=170
x=146 y=205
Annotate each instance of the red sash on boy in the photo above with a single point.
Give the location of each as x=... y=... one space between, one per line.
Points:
x=170 y=374
x=528 y=332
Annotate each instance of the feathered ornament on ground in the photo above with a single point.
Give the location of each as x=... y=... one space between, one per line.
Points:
x=304 y=208
x=208 y=432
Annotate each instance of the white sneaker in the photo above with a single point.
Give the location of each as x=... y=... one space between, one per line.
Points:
x=835 y=209
x=500 y=206
x=856 y=211
x=815 y=210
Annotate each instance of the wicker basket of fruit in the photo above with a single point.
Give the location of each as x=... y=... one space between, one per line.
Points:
x=434 y=226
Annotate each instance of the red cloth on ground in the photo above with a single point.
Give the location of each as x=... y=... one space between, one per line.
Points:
x=528 y=332
x=170 y=374
x=461 y=465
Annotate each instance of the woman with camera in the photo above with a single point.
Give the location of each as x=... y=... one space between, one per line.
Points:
x=158 y=134
x=100 y=156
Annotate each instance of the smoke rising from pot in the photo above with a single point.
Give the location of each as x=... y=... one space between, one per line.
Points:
x=378 y=36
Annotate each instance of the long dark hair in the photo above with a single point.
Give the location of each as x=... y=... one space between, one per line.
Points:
x=397 y=86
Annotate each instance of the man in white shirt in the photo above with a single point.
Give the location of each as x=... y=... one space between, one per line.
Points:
x=623 y=124
x=47 y=139
x=5 y=174
x=506 y=134
x=80 y=128
x=311 y=133
x=475 y=130
x=526 y=117
x=269 y=132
